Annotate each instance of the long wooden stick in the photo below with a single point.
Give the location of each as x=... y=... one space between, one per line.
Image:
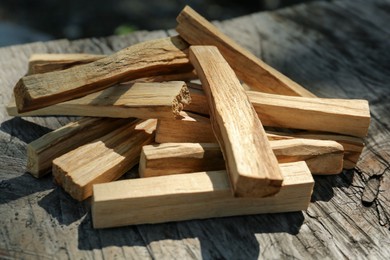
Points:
x=162 y=56
x=342 y=116
x=140 y=100
x=48 y=62
x=196 y=30
x=322 y=157
x=193 y=128
x=250 y=162
x=103 y=160
x=45 y=62
x=193 y=196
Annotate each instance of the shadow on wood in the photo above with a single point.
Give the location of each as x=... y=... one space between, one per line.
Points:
x=231 y=232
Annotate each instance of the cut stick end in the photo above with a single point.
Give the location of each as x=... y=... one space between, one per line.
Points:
x=22 y=98
x=181 y=100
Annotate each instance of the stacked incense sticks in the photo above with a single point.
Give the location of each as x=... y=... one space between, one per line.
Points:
x=245 y=140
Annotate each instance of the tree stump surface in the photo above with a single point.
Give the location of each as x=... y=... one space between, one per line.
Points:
x=335 y=49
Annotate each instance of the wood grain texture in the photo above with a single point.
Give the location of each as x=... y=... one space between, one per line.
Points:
x=341 y=116
x=146 y=59
x=43 y=62
x=196 y=30
x=39 y=220
x=321 y=157
x=104 y=159
x=43 y=150
x=140 y=100
x=250 y=163
x=193 y=196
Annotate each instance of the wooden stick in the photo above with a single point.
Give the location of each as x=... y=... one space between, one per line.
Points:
x=140 y=100
x=342 y=116
x=196 y=30
x=250 y=162
x=353 y=146
x=193 y=196
x=47 y=62
x=193 y=128
x=103 y=160
x=322 y=157
x=42 y=151
x=162 y=56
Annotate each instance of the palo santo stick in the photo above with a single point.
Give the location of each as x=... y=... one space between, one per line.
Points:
x=322 y=157
x=193 y=196
x=250 y=162
x=162 y=56
x=353 y=146
x=342 y=116
x=42 y=151
x=45 y=62
x=196 y=30
x=193 y=128
x=140 y=100
x=103 y=160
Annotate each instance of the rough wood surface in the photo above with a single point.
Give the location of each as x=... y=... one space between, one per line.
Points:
x=43 y=150
x=250 y=162
x=193 y=196
x=150 y=58
x=44 y=62
x=321 y=157
x=196 y=30
x=104 y=159
x=140 y=100
x=336 y=49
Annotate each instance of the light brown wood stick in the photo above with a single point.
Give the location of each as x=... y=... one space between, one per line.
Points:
x=196 y=30
x=42 y=151
x=353 y=146
x=162 y=56
x=104 y=159
x=342 y=116
x=193 y=128
x=47 y=62
x=140 y=100
x=193 y=196
x=250 y=162
x=322 y=157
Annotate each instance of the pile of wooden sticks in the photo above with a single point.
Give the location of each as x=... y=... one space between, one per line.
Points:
x=219 y=131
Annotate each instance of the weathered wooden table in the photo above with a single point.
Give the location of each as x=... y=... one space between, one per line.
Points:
x=339 y=49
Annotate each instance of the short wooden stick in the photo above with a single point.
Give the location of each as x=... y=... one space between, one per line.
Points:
x=42 y=151
x=104 y=159
x=322 y=157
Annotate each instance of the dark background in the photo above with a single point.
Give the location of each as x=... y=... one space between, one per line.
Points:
x=24 y=21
